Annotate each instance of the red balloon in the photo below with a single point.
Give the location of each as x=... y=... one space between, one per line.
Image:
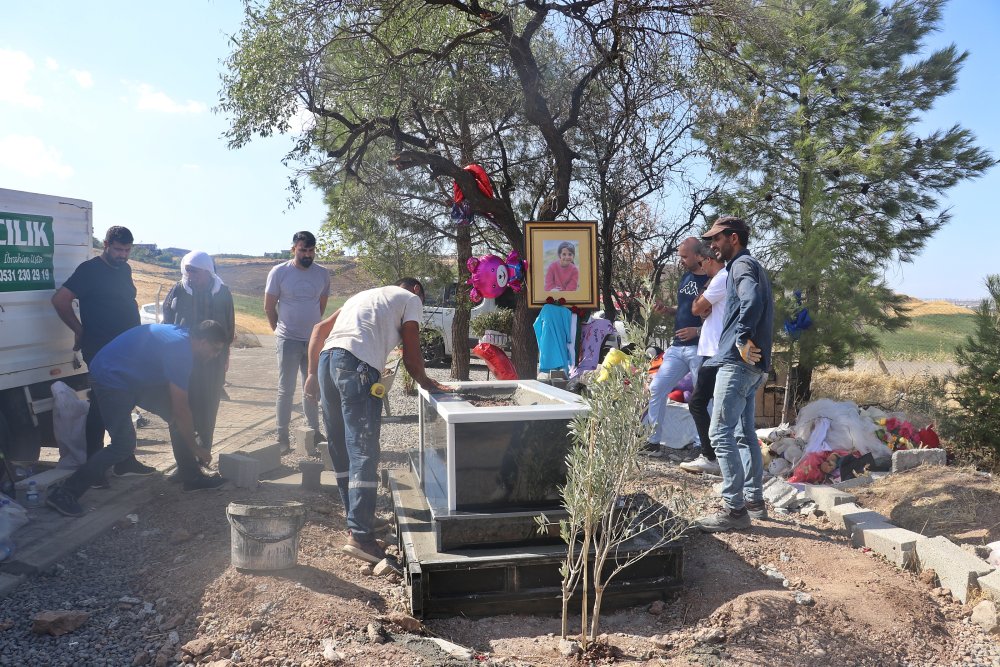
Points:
x=496 y=360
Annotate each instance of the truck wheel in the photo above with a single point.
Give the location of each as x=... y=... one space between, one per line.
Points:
x=19 y=436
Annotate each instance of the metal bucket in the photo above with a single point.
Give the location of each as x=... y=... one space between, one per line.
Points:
x=265 y=536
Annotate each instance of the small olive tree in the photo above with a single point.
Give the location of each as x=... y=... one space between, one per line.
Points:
x=604 y=532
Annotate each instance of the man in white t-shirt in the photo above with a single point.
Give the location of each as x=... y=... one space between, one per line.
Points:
x=295 y=299
x=347 y=352
x=711 y=305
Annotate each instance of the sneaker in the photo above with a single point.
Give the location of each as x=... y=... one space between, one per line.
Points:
x=757 y=510
x=651 y=447
x=725 y=520
x=285 y=446
x=64 y=502
x=102 y=483
x=701 y=465
x=132 y=468
x=204 y=482
x=368 y=551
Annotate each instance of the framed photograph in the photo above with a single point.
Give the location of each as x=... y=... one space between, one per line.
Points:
x=562 y=262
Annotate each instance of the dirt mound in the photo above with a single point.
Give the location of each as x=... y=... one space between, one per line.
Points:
x=919 y=307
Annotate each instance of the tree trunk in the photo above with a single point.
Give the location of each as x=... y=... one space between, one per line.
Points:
x=524 y=346
x=460 y=325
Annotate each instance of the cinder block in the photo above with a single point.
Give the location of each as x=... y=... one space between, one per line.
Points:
x=780 y=493
x=897 y=545
x=305 y=441
x=854 y=519
x=956 y=568
x=269 y=456
x=854 y=483
x=838 y=512
x=327 y=461
x=240 y=469
x=827 y=497
x=905 y=459
x=43 y=481
x=990 y=584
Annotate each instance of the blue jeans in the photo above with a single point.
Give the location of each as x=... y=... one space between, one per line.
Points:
x=353 y=422
x=293 y=358
x=733 y=434
x=116 y=407
x=678 y=360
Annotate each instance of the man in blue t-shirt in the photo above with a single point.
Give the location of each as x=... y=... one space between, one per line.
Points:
x=682 y=355
x=150 y=367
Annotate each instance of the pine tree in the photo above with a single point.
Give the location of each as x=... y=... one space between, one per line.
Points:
x=976 y=387
x=819 y=133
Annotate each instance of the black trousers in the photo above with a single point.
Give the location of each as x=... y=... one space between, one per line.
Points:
x=698 y=407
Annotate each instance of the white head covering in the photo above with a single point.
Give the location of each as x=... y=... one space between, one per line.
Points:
x=199 y=260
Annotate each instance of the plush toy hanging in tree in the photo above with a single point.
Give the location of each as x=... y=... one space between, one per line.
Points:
x=491 y=275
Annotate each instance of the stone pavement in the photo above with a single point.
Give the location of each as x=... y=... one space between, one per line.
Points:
x=246 y=418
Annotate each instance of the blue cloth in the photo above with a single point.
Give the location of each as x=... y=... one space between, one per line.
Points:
x=691 y=286
x=353 y=425
x=552 y=329
x=733 y=436
x=144 y=356
x=749 y=313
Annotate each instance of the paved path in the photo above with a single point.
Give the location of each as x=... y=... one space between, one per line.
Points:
x=246 y=418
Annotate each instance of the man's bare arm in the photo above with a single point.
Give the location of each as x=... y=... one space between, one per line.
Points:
x=180 y=411
x=413 y=359
x=319 y=335
x=271 y=310
x=62 y=301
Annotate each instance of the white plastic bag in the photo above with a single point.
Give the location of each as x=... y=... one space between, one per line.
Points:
x=69 y=423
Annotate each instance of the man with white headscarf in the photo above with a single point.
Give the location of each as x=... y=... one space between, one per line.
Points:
x=201 y=295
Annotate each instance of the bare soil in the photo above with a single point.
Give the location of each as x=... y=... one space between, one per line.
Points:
x=864 y=611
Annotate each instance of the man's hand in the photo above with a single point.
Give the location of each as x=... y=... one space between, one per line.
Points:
x=435 y=387
x=311 y=388
x=687 y=333
x=202 y=454
x=749 y=352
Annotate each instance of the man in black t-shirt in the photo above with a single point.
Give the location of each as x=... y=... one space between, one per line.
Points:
x=104 y=288
x=682 y=356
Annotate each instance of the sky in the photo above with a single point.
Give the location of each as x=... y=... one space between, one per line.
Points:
x=113 y=102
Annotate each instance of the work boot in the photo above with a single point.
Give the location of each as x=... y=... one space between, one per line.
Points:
x=368 y=551
x=724 y=521
x=132 y=468
x=64 y=502
x=757 y=510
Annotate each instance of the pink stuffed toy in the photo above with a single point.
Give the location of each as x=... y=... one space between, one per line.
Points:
x=491 y=275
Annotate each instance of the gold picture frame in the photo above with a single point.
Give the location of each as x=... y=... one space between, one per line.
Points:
x=562 y=263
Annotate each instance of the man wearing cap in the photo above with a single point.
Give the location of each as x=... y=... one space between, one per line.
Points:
x=681 y=357
x=201 y=295
x=743 y=359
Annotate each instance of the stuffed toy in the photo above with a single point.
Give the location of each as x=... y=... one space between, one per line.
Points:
x=491 y=275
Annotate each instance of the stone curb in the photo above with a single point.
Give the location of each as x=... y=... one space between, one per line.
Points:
x=958 y=570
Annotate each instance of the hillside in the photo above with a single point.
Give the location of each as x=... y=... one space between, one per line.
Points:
x=246 y=279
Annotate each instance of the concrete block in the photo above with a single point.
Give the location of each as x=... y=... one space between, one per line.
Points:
x=827 y=497
x=956 y=568
x=837 y=512
x=311 y=474
x=991 y=585
x=327 y=461
x=305 y=441
x=269 y=456
x=854 y=483
x=897 y=545
x=905 y=459
x=854 y=519
x=239 y=468
x=43 y=482
x=777 y=491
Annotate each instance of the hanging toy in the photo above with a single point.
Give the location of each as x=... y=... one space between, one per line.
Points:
x=491 y=275
x=799 y=321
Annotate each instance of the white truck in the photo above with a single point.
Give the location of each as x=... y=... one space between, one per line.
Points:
x=439 y=313
x=42 y=240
